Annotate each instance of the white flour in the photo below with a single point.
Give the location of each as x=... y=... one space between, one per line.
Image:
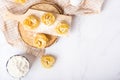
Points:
x=18 y=66
x=75 y=2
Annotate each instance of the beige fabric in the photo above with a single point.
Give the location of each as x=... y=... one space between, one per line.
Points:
x=85 y=7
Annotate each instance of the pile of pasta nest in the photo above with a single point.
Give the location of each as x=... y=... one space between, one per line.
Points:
x=40 y=27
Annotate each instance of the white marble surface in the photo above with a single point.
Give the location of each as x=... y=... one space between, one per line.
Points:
x=91 y=52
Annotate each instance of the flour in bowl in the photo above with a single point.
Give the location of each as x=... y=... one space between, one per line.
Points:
x=17 y=66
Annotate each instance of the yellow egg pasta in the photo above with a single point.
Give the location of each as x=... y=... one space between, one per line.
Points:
x=48 y=19
x=47 y=61
x=41 y=40
x=62 y=28
x=21 y=1
x=31 y=22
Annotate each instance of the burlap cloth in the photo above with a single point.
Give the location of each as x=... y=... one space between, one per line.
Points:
x=11 y=31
